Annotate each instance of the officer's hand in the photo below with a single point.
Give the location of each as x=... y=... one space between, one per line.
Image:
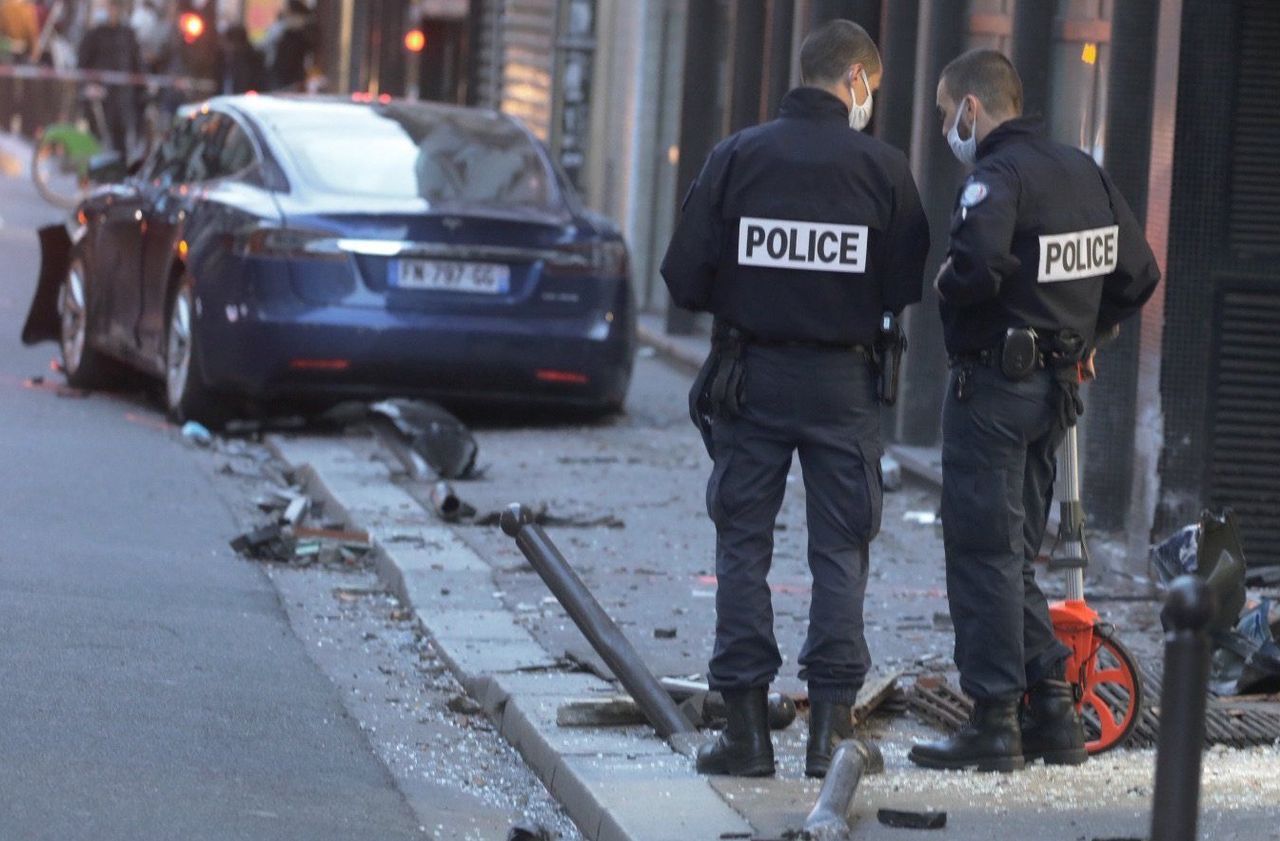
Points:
x=1087 y=370
x=943 y=269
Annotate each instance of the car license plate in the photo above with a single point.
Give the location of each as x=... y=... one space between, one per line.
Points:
x=453 y=276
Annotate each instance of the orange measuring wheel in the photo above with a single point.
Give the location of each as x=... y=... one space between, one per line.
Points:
x=1112 y=693
x=1108 y=688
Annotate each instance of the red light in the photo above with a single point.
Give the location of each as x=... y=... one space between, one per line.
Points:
x=549 y=376
x=415 y=40
x=320 y=364
x=384 y=98
x=191 y=26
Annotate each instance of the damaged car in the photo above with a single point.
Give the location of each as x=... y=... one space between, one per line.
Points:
x=287 y=251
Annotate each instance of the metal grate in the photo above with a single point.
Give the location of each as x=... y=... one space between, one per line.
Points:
x=1228 y=722
x=1255 y=179
x=1244 y=468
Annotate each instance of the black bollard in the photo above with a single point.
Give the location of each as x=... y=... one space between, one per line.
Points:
x=1187 y=611
x=605 y=637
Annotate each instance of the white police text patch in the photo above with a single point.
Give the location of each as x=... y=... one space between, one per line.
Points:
x=974 y=192
x=1078 y=254
x=812 y=246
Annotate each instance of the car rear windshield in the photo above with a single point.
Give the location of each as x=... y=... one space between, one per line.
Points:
x=449 y=156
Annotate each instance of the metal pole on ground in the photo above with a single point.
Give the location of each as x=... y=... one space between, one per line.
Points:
x=829 y=820
x=605 y=637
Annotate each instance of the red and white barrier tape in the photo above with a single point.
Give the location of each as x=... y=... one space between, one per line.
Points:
x=106 y=77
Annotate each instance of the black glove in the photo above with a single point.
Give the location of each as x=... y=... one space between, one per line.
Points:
x=1070 y=406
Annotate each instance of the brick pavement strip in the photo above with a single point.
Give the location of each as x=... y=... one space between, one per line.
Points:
x=618 y=784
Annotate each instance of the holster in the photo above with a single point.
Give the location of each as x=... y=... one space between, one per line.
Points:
x=719 y=389
x=890 y=345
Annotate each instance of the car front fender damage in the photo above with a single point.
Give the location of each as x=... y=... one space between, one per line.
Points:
x=43 y=323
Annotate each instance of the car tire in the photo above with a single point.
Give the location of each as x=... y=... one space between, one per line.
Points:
x=82 y=364
x=186 y=397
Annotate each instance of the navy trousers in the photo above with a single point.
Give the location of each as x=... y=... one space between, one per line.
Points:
x=998 y=469
x=820 y=403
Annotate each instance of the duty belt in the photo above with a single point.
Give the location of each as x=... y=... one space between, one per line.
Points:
x=860 y=350
x=987 y=358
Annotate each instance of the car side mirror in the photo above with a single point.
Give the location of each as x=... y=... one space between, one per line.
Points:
x=106 y=168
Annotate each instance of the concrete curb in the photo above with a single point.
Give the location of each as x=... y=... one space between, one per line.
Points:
x=617 y=784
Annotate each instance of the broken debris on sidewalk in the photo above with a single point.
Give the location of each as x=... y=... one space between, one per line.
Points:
x=288 y=539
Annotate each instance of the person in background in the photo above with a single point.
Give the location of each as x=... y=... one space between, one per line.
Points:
x=291 y=45
x=242 y=66
x=111 y=45
x=155 y=33
x=20 y=28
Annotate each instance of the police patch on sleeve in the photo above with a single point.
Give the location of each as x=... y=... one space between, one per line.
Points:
x=974 y=193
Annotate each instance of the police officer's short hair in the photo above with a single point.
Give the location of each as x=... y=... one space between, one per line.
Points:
x=988 y=75
x=829 y=50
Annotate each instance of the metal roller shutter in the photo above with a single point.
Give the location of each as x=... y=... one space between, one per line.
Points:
x=1244 y=471
x=1255 y=177
x=1245 y=460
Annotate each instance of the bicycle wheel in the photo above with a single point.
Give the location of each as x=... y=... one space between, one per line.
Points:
x=1112 y=702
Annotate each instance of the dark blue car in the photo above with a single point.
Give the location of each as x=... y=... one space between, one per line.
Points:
x=298 y=251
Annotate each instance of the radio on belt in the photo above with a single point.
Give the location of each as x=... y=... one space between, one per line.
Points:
x=792 y=244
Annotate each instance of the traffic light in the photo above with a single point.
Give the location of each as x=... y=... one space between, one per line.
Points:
x=415 y=40
x=191 y=25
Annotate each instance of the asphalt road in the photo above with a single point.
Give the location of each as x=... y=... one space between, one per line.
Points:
x=150 y=683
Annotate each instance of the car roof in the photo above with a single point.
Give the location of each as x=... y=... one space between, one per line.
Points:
x=267 y=106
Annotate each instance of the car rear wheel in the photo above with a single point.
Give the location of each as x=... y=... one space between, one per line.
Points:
x=82 y=365
x=186 y=396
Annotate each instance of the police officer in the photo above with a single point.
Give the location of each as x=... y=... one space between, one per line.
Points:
x=797 y=235
x=1045 y=257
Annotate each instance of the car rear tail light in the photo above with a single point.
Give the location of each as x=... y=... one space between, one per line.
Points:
x=320 y=364
x=598 y=258
x=547 y=375
x=291 y=243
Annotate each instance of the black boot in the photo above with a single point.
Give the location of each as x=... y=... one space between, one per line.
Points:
x=829 y=723
x=989 y=742
x=743 y=749
x=1051 y=728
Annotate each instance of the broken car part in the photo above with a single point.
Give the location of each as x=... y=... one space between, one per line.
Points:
x=437 y=437
x=605 y=636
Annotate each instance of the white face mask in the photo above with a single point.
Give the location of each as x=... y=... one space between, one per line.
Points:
x=966 y=151
x=860 y=115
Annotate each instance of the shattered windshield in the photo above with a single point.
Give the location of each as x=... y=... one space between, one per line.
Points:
x=450 y=157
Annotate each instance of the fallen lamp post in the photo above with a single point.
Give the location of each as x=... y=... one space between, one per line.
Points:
x=605 y=637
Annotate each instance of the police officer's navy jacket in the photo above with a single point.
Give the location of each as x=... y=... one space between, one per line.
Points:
x=1040 y=238
x=801 y=229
